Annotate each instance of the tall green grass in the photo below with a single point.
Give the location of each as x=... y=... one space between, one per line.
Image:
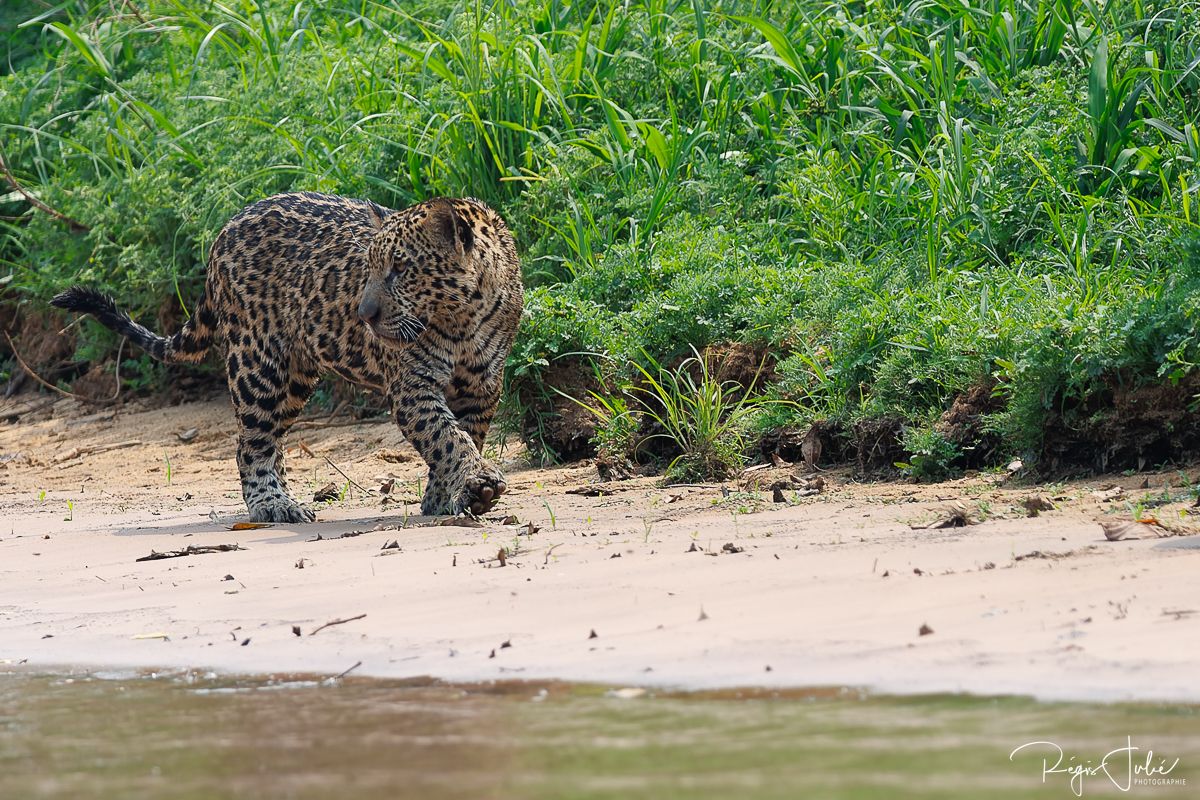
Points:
x=903 y=198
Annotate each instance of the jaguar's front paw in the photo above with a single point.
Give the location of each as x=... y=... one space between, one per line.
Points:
x=482 y=490
x=281 y=509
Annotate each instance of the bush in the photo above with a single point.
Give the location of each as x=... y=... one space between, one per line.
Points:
x=898 y=200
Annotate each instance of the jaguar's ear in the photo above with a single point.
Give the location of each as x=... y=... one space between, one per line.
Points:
x=446 y=223
x=377 y=216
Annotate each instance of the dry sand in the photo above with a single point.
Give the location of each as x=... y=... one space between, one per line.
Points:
x=827 y=590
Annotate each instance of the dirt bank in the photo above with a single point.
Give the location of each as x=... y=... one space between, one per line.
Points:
x=687 y=586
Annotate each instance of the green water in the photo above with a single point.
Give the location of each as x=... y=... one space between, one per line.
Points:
x=186 y=737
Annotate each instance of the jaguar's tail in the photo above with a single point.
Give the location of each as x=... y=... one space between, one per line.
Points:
x=188 y=345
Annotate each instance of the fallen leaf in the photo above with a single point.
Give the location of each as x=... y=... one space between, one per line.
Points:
x=730 y=547
x=1109 y=495
x=810 y=448
x=593 y=634
x=1036 y=504
x=387 y=486
x=326 y=493
x=924 y=630
x=1118 y=530
x=955 y=516
x=188 y=435
x=249 y=526
x=777 y=496
x=162 y=636
x=295 y=630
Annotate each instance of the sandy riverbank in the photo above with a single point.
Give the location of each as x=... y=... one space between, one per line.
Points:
x=831 y=589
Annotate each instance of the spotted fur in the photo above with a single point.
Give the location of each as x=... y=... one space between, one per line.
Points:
x=420 y=304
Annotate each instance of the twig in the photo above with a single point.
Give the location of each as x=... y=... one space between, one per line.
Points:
x=307 y=424
x=99 y=401
x=75 y=225
x=30 y=407
x=315 y=631
x=82 y=452
x=344 y=475
x=343 y=674
x=129 y=4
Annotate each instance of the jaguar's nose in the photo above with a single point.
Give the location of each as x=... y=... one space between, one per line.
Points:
x=368 y=309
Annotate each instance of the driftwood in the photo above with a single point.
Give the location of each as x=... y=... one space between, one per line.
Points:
x=191 y=550
x=315 y=631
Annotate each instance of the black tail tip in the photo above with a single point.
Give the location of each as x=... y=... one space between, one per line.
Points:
x=84 y=300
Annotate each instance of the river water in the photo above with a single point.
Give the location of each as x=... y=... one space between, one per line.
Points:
x=186 y=735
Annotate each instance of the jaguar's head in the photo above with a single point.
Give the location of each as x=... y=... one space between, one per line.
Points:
x=421 y=264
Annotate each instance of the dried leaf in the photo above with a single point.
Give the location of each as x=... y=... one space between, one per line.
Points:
x=248 y=526
x=1037 y=504
x=188 y=435
x=326 y=493
x=924 y=630
x=1118 y=530
x=810 y=448
x=1109 y=495
x=954 y=516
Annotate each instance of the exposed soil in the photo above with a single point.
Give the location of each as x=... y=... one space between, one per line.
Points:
x=555 y=426
x=1128 y=426
x=824 y=579
x=964 y=425
x=748 y=366
x=877 y=446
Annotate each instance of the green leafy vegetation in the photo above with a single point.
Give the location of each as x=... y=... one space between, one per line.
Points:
x=901 y=199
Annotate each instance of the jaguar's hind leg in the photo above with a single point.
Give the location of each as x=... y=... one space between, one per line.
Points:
x=269 y=390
